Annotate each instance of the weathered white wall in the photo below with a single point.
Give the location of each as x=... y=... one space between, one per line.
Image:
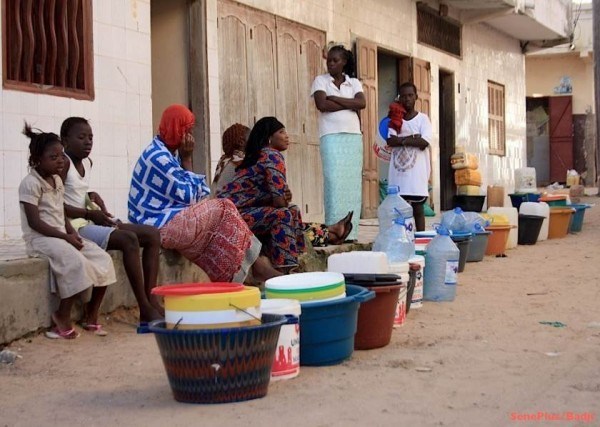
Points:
x=544 y=74
x=120 y=115
x=488 y=55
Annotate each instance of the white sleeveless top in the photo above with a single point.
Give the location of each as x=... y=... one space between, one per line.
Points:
x=77 y=186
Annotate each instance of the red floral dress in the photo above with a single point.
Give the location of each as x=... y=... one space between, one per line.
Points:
x=252 y=191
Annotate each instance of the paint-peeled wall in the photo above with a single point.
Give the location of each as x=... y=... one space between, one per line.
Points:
x=120 y=114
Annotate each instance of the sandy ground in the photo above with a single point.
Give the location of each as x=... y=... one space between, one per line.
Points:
x=491 y=361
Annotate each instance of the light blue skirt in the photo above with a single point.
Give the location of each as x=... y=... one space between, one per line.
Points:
x=342 y=159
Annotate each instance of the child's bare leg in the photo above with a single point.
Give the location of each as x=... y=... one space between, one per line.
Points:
x=125 y=240
x=62 y=316
x=93 y=307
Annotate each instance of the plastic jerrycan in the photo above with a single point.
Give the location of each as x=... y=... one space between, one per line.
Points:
x=441 y=274
x=394 y=206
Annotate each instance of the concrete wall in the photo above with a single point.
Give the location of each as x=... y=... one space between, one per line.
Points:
x=120 y=115
x=169 y=21
x=26 y=303
x=488 y=55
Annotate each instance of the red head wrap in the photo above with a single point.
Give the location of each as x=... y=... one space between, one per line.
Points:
x=176 y=120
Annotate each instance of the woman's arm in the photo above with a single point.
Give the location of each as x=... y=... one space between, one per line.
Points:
x=356 y=103
x=324 y=105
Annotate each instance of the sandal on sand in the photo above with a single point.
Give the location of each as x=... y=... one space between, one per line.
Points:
x=95 y=328
x=55 y=334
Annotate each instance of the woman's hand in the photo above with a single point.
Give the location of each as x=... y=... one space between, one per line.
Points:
x=186 y=150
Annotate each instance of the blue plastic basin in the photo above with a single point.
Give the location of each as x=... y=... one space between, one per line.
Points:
x=327 y=328
x=577 y=218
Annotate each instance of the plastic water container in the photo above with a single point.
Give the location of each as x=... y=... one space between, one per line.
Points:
x=539 y=209
x=454 y=220
x=525 y=180
x=391 y=208
x=417 y=296
x=441 y=274
x=364 y=262
x=287 y=356
x=395 y=243
x=513 y=219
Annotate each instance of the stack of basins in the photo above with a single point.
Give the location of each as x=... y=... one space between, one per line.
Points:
x=329 y=313
x=215 y=344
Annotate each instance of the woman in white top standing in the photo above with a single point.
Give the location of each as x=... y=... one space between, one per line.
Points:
x=339 y=96
x=410 y=164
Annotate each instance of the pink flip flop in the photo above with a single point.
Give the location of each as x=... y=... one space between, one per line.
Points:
x=55 y=334
x=95 y=328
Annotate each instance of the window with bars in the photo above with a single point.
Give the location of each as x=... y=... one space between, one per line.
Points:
x=47 y=47
x=496 y=119
x=437 y=31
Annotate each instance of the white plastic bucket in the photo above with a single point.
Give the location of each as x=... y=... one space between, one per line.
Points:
x=400 y=316
x=540 y=209
x=287 y=356
x=417 y=296
x=401 y=269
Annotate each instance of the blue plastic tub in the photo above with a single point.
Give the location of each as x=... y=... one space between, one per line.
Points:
x=327 y=328
x=577 y=218
x=478 y=245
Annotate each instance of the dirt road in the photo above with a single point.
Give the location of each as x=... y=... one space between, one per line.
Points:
x=489 y=361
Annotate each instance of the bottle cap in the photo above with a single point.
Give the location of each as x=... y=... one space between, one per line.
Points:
x=442 y=231
x=393 y=189
x=458 y=210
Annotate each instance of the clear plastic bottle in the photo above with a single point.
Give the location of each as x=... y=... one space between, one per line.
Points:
x=454 y=220
x=394 y=206
x=395 y=242
x=441 y=273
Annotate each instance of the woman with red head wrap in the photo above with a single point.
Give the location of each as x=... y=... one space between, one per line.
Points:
x=167 y=194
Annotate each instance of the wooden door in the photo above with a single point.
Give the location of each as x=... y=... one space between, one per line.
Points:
x=421 y=77
x=367 y=73
x=561 y=137
x=299 y=60
x=247 y=64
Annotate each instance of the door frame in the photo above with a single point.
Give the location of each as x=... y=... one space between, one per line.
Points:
x=447 y=142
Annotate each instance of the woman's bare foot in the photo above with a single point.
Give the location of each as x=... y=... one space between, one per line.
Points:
x=61 y=323
x=262 y=269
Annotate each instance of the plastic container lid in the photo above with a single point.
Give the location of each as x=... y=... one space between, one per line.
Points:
x=301 y=281
x=393 y=189
x=280 y=306
x=186 y=289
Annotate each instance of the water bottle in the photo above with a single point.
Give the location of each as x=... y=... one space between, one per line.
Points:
x=441 y=273
x=454 y=220
x=395 y=242
x=394 y=206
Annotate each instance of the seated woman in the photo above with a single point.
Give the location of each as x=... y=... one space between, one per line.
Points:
x=261 y=194
x=234 y=144
x=165 y=193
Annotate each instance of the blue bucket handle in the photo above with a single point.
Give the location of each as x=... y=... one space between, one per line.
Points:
x=364 y=296
x=143 y=328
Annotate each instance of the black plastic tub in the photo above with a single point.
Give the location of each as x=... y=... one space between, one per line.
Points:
x=463 y=242
x=469 y=203
x=529 y=229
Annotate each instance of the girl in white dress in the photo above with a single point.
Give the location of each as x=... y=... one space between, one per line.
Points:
x=76 y=263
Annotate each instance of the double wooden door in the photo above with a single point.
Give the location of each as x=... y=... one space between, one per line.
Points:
x=266 y=68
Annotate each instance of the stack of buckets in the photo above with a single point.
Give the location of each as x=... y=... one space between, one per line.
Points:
x=215 y=344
